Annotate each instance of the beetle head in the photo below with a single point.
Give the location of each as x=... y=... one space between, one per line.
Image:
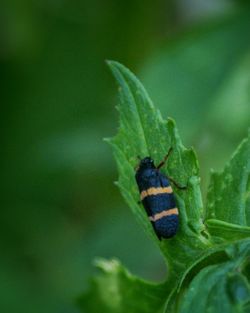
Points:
x=146 y=163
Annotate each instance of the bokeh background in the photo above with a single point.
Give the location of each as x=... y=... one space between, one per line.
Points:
x=59 y=206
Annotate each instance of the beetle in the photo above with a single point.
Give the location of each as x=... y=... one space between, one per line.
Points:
x=157 y=197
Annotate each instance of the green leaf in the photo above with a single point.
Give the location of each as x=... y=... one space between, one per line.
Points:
x=143 y=132
x=115 y=290
x=229 y=192
x=222 y=287
x=188 y=79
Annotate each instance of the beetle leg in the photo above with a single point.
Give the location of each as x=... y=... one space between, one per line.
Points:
x=176 y=184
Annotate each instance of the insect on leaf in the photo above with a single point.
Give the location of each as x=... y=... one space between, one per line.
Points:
x=143 y=132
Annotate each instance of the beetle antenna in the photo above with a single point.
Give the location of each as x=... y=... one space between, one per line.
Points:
x=165 y=158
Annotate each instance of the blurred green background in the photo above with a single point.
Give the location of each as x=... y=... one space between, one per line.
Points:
x=60 y=208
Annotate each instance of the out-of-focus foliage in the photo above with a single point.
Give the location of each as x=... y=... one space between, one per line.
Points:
x=59 y=207
x=203 y=79
x=115 y=291
x=194 y=252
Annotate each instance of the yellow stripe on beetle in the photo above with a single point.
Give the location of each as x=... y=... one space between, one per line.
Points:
x=164 y=213
x=153 y=191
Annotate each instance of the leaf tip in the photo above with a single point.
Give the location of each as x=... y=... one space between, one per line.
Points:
x=106 y=265
x=109 y=62
x=117 y=69
x=114 y=65
x=107 y=139
x=171 y=121
x=171 y=124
